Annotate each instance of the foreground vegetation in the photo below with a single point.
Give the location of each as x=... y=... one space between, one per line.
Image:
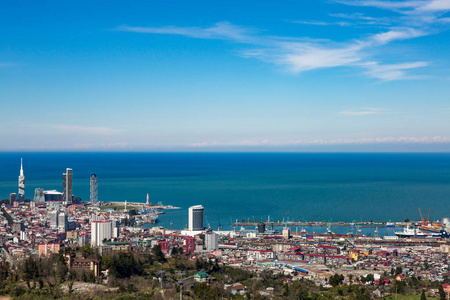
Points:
x=151 y=275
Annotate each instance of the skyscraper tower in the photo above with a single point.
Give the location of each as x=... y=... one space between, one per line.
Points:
x=67 y=187
x=94 y=189
x=21 y=183
x=196 y=218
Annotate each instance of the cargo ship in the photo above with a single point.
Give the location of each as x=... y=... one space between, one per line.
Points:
x=411 y=232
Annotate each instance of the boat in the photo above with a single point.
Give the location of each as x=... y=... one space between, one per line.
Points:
x=410 y=232
x=303 y=231
x=390 y=224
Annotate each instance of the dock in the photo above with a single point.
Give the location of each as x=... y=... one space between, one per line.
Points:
x=319 y=224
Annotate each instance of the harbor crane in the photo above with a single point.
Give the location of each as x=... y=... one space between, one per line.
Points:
x=425 y=222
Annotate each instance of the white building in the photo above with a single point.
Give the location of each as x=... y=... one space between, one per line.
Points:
x=211 y=241
x=286 y=233
x=63 y=222
x=100 y=230
x=21 y=183
x=196 y=218
x=53 y=216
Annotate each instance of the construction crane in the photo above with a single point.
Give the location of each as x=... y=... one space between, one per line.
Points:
x=425 y=222
x=329 y=227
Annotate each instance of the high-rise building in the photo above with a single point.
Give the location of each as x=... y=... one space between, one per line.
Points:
x=21 y=183
x=39 y=196
x=211 y=241
x=196 y=218
x=286 y=233
x=67 y=186
x=94 y=189
x=12 y=198
x=100 y=230
x=53 y=216
x=63 y=222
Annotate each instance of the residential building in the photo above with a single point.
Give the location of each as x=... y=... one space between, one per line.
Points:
x=100 y=230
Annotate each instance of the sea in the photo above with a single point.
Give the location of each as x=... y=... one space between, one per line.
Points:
x=325 y=187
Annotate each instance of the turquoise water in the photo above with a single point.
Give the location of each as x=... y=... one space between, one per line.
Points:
x=298 y=186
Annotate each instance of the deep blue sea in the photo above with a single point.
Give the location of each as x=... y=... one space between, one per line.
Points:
x=298 y=186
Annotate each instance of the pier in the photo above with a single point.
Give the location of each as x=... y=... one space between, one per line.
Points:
x=318 y=224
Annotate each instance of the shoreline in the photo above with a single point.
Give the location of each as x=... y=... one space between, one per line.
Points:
x=138 y=204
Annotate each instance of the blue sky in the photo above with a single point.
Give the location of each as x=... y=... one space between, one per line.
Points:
x=334 y=75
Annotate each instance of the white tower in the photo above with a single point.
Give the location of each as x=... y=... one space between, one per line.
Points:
x=147 y=203
x=21 y=183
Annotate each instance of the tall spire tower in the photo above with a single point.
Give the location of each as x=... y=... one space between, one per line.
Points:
x=21 y=183
x=148 y=202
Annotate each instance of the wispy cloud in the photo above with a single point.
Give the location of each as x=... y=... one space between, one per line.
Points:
x=393 y=71
x=406 y=7
x=312 y=22
x=391 y=5
x=87 y=130
x=397 y=34
x=220 y=30
x=339 y=141
x=322 y=23
x=363 y=111
x=360 y=16
x=298 y=54
x=435 y=5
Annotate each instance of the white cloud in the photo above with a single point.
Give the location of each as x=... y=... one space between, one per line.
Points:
x=393 y=35
x=338 y=141
x=221 y=30
x=390 y=5
x=312 y=22
x=407 y=7
x=363 y=111
x=299 y=54
x=436 y=5
x=299 y=57
x=87 y=130
x=392 y=71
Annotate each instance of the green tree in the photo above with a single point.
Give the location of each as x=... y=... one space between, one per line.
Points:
x=441 y=292
x=86 y=251
x=131 y=288
x=199 y=264
x=30 y=272
x=124 y=265
x=4 y=274
x=422 y=296
x=159 y=255
x=106 y=262
x=61 y=267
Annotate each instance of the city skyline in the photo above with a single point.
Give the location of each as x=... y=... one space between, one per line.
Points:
x=334 y=75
